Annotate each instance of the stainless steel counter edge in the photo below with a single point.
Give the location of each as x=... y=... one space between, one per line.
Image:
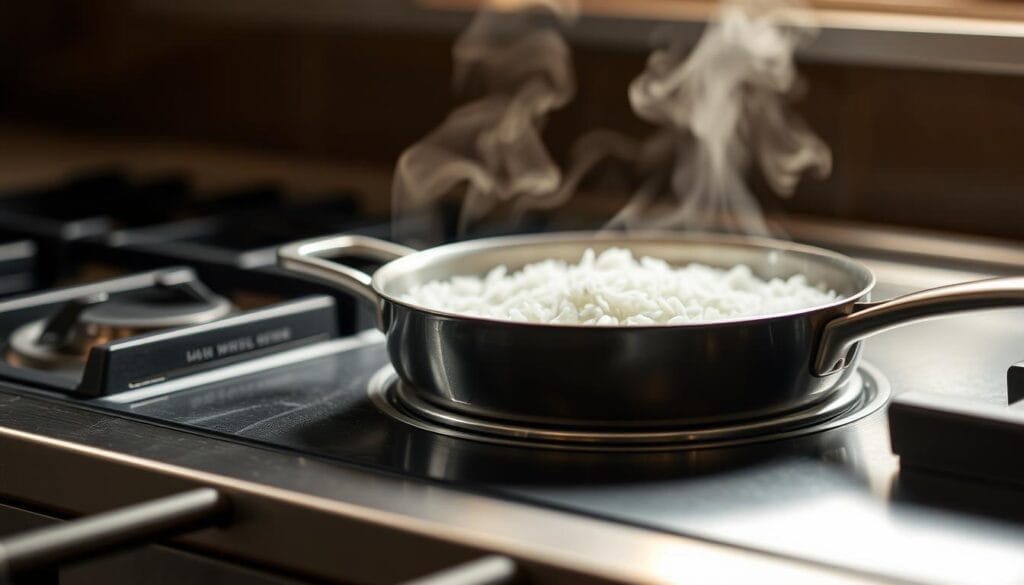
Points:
x=342 y=523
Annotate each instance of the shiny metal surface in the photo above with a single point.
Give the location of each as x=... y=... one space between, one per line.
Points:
x=25 y=351
x=337 y=522
x=615 y=377
x=490 y=570
x=155 y=309
x=152 y=565
x=308 y=258
x=840 y=336
x=865 y=392
x=648 y=376
x=50 y=547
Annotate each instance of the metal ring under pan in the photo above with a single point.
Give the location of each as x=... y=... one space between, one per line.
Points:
x=865 y=392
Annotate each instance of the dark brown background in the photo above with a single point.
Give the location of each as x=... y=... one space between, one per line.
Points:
x=925 y=148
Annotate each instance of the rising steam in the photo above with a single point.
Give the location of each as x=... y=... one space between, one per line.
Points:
x=718 y=108
x=491 y=148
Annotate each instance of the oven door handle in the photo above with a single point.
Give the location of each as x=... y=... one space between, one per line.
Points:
x=47 y=548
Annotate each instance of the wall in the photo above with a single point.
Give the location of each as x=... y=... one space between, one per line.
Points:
x=926 y=148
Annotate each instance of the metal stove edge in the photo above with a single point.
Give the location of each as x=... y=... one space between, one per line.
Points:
x=337 y=522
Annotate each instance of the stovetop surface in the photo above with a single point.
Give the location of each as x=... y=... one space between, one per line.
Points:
x=836 y=497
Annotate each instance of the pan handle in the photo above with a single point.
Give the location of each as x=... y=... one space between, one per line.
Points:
x=841 y=334
x=309 y=257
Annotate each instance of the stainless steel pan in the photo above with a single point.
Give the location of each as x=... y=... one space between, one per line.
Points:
x=618 y=376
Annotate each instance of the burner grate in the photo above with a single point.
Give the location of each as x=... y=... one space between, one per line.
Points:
x=865 y=392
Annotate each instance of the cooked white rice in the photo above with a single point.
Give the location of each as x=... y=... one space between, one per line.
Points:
x=613 y=288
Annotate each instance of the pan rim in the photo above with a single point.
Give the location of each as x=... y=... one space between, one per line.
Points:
x=424 y=257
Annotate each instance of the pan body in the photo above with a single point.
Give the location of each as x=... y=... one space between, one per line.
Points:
x=616 y=376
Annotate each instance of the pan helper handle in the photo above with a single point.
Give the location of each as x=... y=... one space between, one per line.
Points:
x=840 y=335
x=311 y=257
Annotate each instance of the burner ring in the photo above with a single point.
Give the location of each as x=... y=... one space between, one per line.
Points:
x=80 y=324
x=865 y=392
x=24 y=351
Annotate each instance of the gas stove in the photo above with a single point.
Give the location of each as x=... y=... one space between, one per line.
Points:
x=278 y=396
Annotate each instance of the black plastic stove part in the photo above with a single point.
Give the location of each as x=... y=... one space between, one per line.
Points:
x=78 y=198
x=1015 y=383
x=951 y=435
x=55 y=216
x=243 y=238
x=94 y=203
x=144 y=360
x=18 y=267
x=69 y=221
x=999 y=501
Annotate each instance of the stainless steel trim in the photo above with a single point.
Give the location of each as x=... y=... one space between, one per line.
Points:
x=866 y=392
x=52 y=546
x=490 y=570
x=335 y=522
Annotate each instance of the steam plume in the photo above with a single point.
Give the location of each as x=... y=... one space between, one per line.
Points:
x=718 y=108
x=491 y=148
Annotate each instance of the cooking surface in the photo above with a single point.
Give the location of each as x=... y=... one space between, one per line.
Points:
x=832 y=497
x=834 y=507
x=836 y=501
x=836 y=497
